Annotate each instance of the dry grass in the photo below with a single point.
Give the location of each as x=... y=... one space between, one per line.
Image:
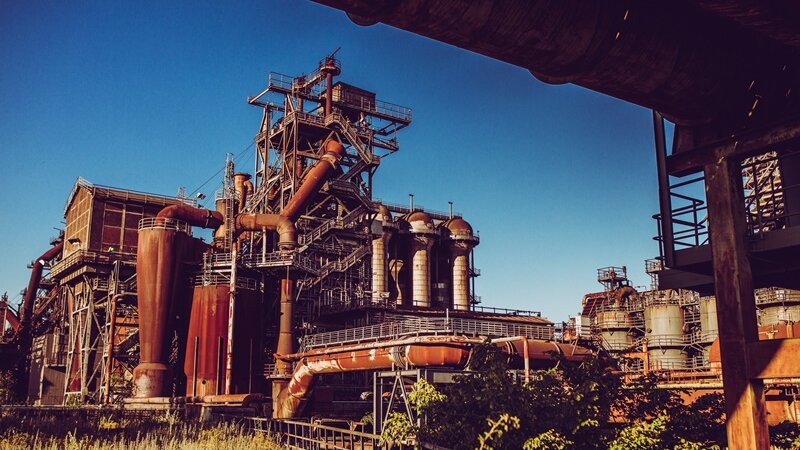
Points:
x=115 y=432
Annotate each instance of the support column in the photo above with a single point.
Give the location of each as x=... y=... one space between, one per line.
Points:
x=733 y=280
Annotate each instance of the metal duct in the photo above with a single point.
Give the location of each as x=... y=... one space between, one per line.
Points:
x=666 y=56
x=426 y=351
x=314 y=180
x=28 y=300
x=287 y=233
x=421 y=351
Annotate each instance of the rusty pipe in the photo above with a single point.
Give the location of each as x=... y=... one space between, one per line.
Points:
x=243 y=188
x=196 y=217
x=526 y=355
x=670 y=56
x=287 y=233
x=333 y=153
x=425 y=351
x=624 y=293
x=33 y=284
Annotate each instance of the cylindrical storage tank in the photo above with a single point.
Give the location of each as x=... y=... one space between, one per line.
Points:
x=162 y=247
x=423 y=234
x=383 y=227
x=614 y=326
x=207 y=340
x=709 y=329
x=778 y=305
x=663 y=320
x=462 y=240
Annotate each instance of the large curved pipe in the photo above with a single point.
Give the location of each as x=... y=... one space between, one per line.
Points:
x=421 y=351
x=424 y=351
x=623 y=293
x=666 y=56
x=33 y=283
x=287 y=233
x=314 y=180
x=196 y=217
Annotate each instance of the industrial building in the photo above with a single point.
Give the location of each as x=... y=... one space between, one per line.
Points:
x=674 y=334
x=306 y=281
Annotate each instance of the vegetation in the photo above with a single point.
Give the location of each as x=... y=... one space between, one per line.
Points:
x=572 y=407
x=115 y=431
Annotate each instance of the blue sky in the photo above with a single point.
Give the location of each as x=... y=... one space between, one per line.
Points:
x=151 y=95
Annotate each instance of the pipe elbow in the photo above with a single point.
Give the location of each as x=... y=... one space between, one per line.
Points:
x=196 y=217
x=287 y=232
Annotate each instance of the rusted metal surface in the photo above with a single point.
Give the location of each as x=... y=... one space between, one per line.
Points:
x=314 y=179
x=733 y=280
x=33 y=283
x=428 y=351
x=286 y=328
x=159 y=273
x=196 y=217
x=287 y=233
x=695 y=64
x=208 y=328
x=164 y=245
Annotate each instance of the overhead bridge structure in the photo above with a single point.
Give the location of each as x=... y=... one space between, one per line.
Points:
x=727 y=75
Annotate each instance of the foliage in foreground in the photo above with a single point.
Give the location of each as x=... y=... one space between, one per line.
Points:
x=113 y=432
x=572 y=407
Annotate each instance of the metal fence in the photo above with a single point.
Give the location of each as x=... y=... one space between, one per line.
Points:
x=295 y=434
x=417 y=326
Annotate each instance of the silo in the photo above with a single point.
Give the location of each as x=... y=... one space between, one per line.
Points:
x=614 y=326
x=382 y=227
x=207 y=340
x=663 y=320
x=461 y=241
x=778 y=305
x=709 y=329
x=422 y=238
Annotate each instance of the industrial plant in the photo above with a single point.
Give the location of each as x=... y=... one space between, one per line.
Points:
x=308 y=292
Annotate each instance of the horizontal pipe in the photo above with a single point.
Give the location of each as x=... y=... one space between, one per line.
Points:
x=196 y=217
x=425 y=351
x=421 y=351
x=282 y=225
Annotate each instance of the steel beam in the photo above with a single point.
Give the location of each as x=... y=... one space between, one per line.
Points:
x=744 y=398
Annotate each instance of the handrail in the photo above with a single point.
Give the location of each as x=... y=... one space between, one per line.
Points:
x=426 y=326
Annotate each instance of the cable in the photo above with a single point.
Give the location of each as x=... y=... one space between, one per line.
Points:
x=220 y=170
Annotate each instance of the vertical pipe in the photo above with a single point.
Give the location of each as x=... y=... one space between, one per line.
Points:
x=286 y=335
x=220 y=344
x=328 y=92
x=411 y=202
x=110 y=344
x=194 y=369
x=451 y=209
x=250 y=369
x=527 y=360
x=231 y=324
x=664 y=196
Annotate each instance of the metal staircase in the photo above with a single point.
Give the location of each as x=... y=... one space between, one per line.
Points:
x=337 y=223
x=339 y=265
x=351 y=133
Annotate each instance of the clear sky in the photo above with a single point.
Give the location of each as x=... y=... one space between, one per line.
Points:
x=150 y=96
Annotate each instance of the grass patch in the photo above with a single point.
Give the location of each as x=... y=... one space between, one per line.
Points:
x=116 y=430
